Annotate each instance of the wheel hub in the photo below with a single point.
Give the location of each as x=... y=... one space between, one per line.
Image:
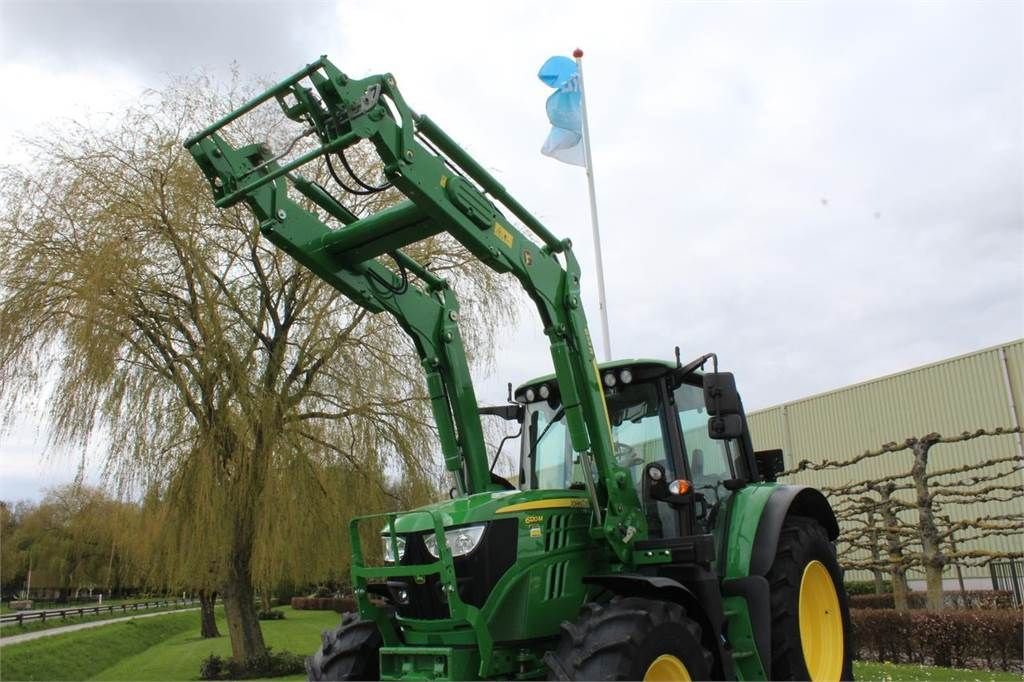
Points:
x=821 y=624
x=667 y=668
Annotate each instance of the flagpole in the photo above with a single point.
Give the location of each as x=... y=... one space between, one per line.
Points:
x=602 y=301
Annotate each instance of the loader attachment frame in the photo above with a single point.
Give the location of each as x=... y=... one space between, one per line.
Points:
x=446 y=191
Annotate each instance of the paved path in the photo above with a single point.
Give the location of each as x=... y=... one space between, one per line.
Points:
x=28 y=636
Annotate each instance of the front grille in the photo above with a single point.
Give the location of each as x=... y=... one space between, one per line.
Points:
x=554 y=580
x=556 y=535
x=476 y=573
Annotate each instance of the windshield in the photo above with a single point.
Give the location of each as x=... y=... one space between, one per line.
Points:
x=636 y=418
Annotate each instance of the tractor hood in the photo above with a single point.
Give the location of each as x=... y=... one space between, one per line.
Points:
x=483 y=507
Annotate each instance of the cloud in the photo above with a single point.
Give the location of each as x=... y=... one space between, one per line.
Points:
x=154 y=38
x=718 y=130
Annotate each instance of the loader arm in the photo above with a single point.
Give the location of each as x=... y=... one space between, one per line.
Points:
x=446 y=191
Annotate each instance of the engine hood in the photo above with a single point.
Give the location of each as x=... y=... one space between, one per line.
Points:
x=486 y=506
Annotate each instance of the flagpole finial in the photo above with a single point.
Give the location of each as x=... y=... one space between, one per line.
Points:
x=577 y=53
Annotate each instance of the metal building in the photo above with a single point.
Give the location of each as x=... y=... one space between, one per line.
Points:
x=984 y=389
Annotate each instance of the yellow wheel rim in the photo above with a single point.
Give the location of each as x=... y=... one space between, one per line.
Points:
x=667 y=668
x=821 y=624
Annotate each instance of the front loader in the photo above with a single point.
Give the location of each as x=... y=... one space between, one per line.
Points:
x=643 y=537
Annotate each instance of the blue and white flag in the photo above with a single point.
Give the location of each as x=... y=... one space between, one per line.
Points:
x=565 y=141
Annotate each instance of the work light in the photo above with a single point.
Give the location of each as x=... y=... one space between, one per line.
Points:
x=388 y=554
x=461 y=541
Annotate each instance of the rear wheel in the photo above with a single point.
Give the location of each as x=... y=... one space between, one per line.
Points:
x=349 y=652
x=810 y=616
x=631 y=639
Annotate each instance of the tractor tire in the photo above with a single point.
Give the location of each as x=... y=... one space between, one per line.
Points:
x=810 y=614
x=351 y=651
x=630 y=639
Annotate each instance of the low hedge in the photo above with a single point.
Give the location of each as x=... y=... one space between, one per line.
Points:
x=339 y=604
x=865 y=586
x=971 y=599
x=944 y=638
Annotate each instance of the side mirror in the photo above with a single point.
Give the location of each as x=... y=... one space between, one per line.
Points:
x=511 y=412
x=725 y=427
x=720 y=394
x=770 y=463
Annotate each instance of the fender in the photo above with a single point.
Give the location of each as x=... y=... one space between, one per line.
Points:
x=648 y=587
x=667 y=589
x=756 y=514
x=788 y=499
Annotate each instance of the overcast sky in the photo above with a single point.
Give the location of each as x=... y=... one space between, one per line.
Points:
x=822 y=193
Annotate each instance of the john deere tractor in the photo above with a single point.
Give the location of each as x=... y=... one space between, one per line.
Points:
x=643 y=537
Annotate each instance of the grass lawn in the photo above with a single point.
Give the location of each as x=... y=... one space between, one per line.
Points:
x=169 y=648
x=179 y=656
x=80 y=655
x=893 y=672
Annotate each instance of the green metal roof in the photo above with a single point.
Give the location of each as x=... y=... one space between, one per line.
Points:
x=611 y=364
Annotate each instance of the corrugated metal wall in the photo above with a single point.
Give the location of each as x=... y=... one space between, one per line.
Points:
x=964 y=393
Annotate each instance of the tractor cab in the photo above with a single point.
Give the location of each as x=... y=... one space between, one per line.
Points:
x=660 y=431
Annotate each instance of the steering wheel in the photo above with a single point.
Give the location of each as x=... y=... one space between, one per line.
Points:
x=623 y=451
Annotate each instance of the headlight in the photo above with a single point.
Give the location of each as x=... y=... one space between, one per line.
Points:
x=388 y=554
x=461 y=541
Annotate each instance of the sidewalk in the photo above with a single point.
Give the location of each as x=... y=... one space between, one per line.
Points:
x=29 y=636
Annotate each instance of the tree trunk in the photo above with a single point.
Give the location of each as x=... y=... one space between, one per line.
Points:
x=899 y=588
x=897 y=567
x=931 y=549
x=207 y=617
x=247 y=645
x=876 y=556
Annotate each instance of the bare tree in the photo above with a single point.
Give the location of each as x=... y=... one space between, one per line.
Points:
x=931 y=494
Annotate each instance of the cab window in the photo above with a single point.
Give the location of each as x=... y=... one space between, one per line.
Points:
x=711 y=462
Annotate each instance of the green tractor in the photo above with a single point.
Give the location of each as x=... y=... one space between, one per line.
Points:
x=643 y=537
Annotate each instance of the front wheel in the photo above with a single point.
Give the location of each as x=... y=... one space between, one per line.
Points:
x=810 y=615
x=631 y=639
x=351 y=651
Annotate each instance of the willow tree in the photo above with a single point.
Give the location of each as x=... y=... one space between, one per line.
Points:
x=258 y=404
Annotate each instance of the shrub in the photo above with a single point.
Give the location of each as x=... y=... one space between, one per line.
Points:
x=946 y=638
x=211 y=667
x=339 y=604
x=972 y=599
x=270 y=615
x=271 y=665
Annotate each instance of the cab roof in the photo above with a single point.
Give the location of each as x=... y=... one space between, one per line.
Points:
x=611 y=364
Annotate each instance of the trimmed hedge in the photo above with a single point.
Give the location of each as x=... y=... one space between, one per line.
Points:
x=339 y=604
x=946 y=638
x=972 y=599
x=865 y=587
